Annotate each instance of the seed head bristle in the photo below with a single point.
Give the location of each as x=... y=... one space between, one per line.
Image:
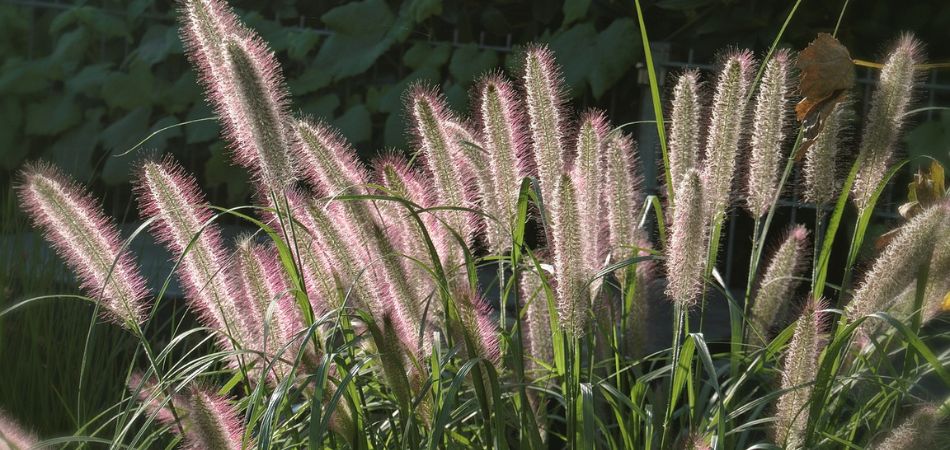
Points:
x=80 y=232
x=800 y=369
x=13 y=435
x=244 y=84
x=182 y=222
x=778 y=284
x=725 y=130
x=504 y=137
x=768 y=134
x=572 y=294
x=898 y=264
x=821 y=158
x=544 y=96
x=686 y=253
x=886 y=117
x=684 y=126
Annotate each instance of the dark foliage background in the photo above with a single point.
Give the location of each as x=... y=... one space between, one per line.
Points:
x=83 y=82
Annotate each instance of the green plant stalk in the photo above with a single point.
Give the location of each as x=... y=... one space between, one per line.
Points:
x=861 y=228
x=657 y=106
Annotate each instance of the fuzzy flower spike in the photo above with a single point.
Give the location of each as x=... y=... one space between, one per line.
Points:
x=778 y=284
x=167 y=193
x=801 y=365
x=208 y=421
x=898 y=264
x=545 y=97
x=245 y=86
x=684 y=126
x=89 y=242
x=432 y=121
x=505 y=142
x=725 y=131
x=768 y=134
x=686 y=256
x=13 y=436
x=886 y=118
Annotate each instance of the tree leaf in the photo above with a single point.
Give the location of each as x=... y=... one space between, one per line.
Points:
x=469 y=62
x=355 y=124
x=52 y=115
x=129 y=90
x=73 y=151
x=219 y=171
x=12 y=151
x=574 y=10
x=119 y=137
x=425 y=55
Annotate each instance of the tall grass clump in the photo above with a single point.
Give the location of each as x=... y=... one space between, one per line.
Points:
x=357 y=311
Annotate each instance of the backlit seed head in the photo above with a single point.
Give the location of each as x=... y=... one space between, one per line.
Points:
x=80 y=232
x=725 y=130
x=800 y=369
x=684 y=126
x=686 y=254
x=768 y=134
x=544 y=88
x=919 y=431
x=778 y=284
x=821 y=158
x=182 y=222
x=14 y=436
x=898 y=264
x=572 y=293
x=502 y=124
x=886 y=117
x=244 y=84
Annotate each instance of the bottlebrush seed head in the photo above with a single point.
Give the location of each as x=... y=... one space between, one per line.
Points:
x=820 y=159
x=545 y=97
x=328 y=161
x=153 y=399
x=938 y=282
x=725 y=130
x=80 y=232
x=568 y=266
x=480 y=329
x=918 y=431
x=801 y=365
x=14 y=436
x=215 y=423
x=271 y=315
x=684 y=126
x=588 y=180
x=886 y=117
x=622 y=198
x=898 y=264
x=768 y=135
x=431 y=117
x=536 y=332
x=779 y=283
x=167 y=193
x=394 y=172
x=245 y=86
x=502 y=123
x=686 y=255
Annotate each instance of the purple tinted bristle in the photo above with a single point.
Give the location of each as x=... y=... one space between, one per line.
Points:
x=349 y=175
x=153 y=399
x=208 y=28
x=215 y=422
x=14 y=435
x=172 y=196
x=123 y=298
